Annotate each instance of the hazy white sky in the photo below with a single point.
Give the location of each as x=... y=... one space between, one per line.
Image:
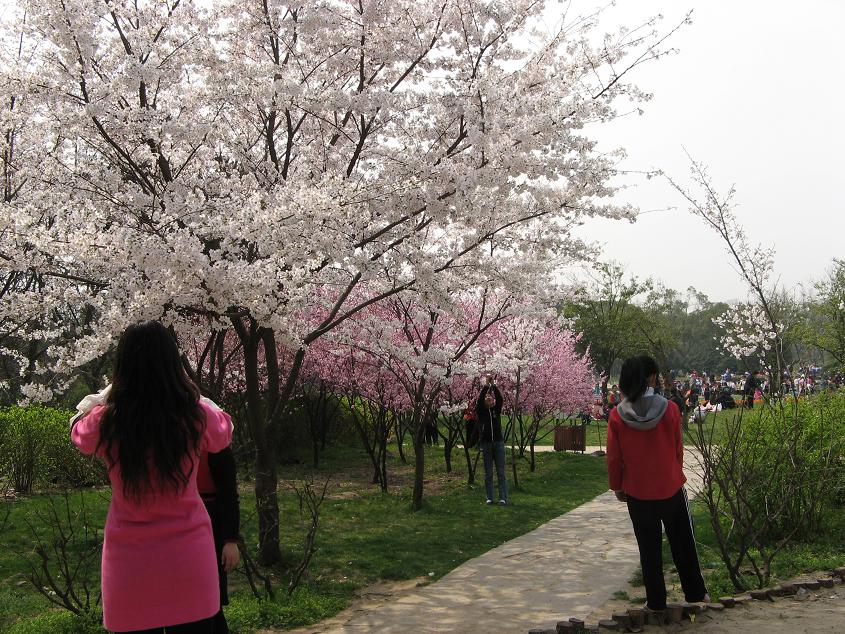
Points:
x=755 y=92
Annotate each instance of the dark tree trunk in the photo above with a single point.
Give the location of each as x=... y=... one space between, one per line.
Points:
x=267 y=503
x=383 y=430
x=449 y=440
x=373 y=426
x=471 y=464
x=419 y=465
x=401 y=430
x=384 y=467
x=324 y=430
x=264 y=412
x=266 y=477
x=315 y=450
x=513 y=467
x=316 y=406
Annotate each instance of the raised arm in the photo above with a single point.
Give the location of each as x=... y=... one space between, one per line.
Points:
x=499 y=399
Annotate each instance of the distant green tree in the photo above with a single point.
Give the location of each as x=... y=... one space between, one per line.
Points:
x=662 y=324
x=823 y=325
x=605 y=313
x=697 y=346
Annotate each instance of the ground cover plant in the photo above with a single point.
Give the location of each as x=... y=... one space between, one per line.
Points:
x=365 y=536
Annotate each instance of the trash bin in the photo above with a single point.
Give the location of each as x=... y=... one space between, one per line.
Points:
x=559 y=437
x=570 y=438
x=579 y=438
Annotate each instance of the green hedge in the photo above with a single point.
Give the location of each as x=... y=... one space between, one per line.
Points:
x=36 y=451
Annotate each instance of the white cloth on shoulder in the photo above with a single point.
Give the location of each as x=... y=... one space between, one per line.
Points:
x=89 y=402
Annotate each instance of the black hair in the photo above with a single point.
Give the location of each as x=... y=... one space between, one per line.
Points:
x=649 y=365
x=633 y=377
x=153 y=419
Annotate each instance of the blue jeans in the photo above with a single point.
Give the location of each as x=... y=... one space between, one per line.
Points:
x=494 y=451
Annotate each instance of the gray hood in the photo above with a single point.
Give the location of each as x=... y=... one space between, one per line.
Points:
x=644 y=413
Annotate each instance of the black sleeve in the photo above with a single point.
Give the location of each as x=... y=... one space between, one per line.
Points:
x=225 y=476
x=479 y=405
x=499 y=399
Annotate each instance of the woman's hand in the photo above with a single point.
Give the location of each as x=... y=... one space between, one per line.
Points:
x=231 y=556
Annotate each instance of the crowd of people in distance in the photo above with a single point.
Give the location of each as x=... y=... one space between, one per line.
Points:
x=809 y=379
x=702 y=392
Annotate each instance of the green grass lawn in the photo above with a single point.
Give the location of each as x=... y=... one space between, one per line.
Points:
x=714 y=424
x=365 y=536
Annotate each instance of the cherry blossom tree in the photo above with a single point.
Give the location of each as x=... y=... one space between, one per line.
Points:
x=423 y=346
x=542 y=375
x=239 y=164
x=752 y=329
x=372 y=397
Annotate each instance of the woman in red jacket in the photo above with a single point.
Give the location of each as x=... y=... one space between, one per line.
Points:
x=645 y=459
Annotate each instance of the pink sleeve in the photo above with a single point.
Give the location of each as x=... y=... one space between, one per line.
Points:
x=85 y=433
x=218 y=429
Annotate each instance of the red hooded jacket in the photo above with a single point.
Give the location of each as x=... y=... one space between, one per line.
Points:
x=646 y=463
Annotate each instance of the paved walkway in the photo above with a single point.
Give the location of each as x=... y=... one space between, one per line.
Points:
x=567 y=567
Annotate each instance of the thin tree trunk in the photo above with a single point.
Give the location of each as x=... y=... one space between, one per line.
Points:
x=419 y=465
x=401 y=430
x=383 y=463
x=448 y=443
x=513 y=462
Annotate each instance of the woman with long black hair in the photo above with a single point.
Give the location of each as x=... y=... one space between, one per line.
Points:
x=159 y=572
x=645 y=460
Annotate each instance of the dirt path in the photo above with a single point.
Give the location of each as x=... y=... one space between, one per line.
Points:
x=823 y=611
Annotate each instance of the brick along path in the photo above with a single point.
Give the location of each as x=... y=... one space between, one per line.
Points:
x=567 y=567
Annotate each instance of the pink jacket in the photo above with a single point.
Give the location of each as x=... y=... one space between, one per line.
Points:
x=159 y=566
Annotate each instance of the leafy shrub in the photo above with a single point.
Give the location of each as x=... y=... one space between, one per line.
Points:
x=35 y=450
x=796 y=450
x=770 y=479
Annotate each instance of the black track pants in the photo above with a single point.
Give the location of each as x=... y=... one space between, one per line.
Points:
x=673 y=513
